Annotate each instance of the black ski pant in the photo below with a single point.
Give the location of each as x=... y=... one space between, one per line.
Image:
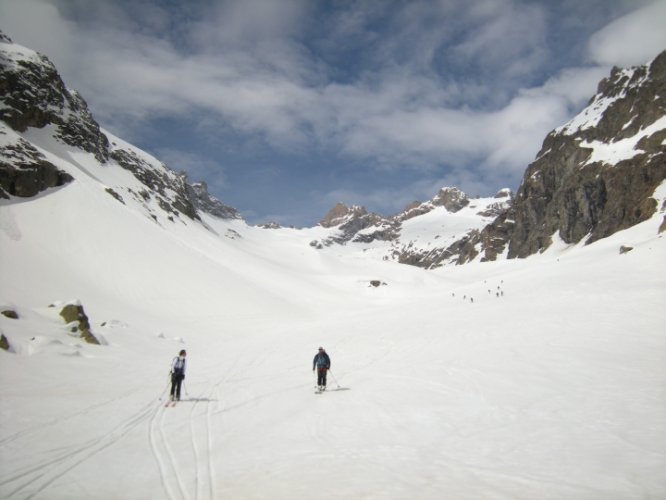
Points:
x=321 y=376
x=176 y=382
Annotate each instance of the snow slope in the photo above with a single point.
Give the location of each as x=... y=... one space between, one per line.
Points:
x=538 y=378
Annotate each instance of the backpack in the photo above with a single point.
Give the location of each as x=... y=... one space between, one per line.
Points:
x=322 y=360
x=178 y=366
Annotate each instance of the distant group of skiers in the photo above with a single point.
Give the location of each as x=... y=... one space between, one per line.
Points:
x=321 y=362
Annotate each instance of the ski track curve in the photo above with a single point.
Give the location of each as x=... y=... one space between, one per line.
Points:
x=200 y=440
x=153 y=438
x=33 y=479
x=84 y=411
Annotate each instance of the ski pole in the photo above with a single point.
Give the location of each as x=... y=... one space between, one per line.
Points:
x=166 y=387
x=334 y=379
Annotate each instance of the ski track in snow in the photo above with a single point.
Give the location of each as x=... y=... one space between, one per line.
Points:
x=29 y=481
x=51 y=423
x=200 y=427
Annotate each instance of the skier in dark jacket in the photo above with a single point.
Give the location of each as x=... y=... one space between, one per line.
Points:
x=322 y=363
x=178 y=366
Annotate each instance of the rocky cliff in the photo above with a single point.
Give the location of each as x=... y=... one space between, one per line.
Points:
x=594 y=176
x=34 y=96
x=425 y=234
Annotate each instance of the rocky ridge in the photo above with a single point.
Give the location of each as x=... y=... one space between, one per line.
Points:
x=594 y=176
x=408 y=237
x=33 y=96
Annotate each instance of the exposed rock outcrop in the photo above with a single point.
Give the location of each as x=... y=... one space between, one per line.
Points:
x=202 y=200
x=33 y=95
x=4 y=343
x=24 y=171
x=74 y=313
x=357 y=225
x=594 y=176
x=9 y=313
x=451 y=198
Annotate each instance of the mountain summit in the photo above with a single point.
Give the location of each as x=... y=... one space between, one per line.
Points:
x=45 y=127
x=594 y=176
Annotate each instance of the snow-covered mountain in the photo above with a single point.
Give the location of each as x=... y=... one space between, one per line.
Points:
x=595 y=175
x=425 y=234
x=539 y=377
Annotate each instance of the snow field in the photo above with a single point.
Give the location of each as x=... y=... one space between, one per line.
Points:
x=552 y=390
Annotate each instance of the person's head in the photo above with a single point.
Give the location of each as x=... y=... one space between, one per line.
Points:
x=182 y=353
x=321 y=349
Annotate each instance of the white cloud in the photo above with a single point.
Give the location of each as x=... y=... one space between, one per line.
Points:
x=633 y=39
x=246 y=64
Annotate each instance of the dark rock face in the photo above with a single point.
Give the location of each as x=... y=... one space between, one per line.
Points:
x=4 y=343
x=34 y=95
x=74 y=313
x=170 y=189
x=453 y=199
x=202 y=200
x=570 y=191
x=25 y=172
x=9 y=313
x=357 y=225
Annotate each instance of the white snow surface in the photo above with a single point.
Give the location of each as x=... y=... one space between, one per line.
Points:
x=549 y=385
x=614 y=152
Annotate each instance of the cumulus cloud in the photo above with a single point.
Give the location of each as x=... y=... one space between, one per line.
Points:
x=633 y=39
x=458 y=91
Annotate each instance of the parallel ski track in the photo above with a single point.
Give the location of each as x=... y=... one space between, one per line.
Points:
x=168 y=468
x=35 y=478
x=171 y=477
x=41 y=427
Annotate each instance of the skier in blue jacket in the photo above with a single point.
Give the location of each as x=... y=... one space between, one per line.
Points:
x=322 y=362
x=178 y=366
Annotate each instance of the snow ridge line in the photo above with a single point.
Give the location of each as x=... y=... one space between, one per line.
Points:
x=58 y=466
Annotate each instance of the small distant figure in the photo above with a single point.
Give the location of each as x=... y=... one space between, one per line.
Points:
x=178 y=366
x=472 y=299
x=322 y=362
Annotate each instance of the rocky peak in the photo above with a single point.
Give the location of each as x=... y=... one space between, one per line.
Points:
x=32 y=94
x=595 y=175
x=504 y=193
x=204 y=201
x=358 y=225
x=341 y=214
x=451 y=198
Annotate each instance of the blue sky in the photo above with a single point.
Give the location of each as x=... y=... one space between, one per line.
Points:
x=286 y=107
